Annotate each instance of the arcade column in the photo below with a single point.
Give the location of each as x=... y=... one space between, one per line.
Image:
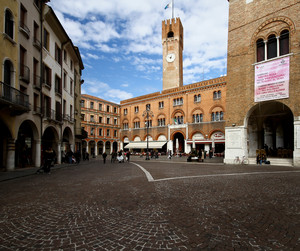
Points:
x=10 y=161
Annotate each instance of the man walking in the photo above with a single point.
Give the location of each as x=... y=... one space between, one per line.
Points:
x=104 y=155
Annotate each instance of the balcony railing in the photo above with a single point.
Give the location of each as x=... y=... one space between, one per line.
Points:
x=37 y=43
x=52 y=115
x=24 y=73
x=24 y=29
x=36 y=81
x=13 y=96
x=68 y=118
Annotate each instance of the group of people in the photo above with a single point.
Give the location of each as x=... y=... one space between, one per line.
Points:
x=261 y=158
x=119 y=156
x=70 y=157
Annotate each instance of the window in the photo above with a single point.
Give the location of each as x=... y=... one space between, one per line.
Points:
x=125 y=126
x=92 y=105
x=177 y=101
x=115 y=133
x=47 y=76
x=217 y=94
x=115 y=121
x=92 y=130
x=161 y=105
x=100 y=107
x=136 y=109
x=23 y=21
x=35 y=102
x=217 y=116
x=100 y=132
x=24 y=69
x=148 y=123
x=46 y=40
x=100 y=120
x=8 y=73
x=136 y=124
x=82 y=116
x=65 y=56
x=82 y=103
x=125 y=111
x=57 y=84
x=71 y=62
x=197 y=118
x=178 y=120
x=260 y=50
x=71 y=87
x=148 y=107
x=197 y=98
x=115 y=109
x=57 y=54
x=161 y=122
x=284 y=43
x=107 y=132
x=36 y=78
x=36 y=39
x=108 y=121
x=107 y=108
x=9 y=24
x=71 y=111
x=65 y=80
x=272 y=47
x=92 y=118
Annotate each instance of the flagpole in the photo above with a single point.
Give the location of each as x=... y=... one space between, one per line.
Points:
x=172 y=9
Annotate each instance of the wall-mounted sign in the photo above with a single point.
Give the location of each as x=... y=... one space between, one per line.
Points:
x=272 y=80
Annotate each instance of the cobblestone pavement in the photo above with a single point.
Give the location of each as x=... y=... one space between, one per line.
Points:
x=187 y=206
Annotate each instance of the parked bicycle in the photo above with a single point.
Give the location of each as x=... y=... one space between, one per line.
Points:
x=244 y=160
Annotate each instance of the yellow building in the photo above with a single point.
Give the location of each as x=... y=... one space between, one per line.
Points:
x=179 y=118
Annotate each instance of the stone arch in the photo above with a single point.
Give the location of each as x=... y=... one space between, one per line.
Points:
x=213 y=108
x=270 y=125
x=282 y=19
x=137 y=138
x=150 y=138
x=161 y=137
x=197 y=134
x=177 y=111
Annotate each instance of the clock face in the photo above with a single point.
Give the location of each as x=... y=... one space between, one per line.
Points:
x=170 y=57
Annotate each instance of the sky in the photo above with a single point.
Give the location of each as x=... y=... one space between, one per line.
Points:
x=121 y=46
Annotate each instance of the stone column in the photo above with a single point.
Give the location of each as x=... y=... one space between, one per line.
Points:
x=96 y=149
x=37 y=160
x=296 y=155
x=10 y=161
x=58 y=153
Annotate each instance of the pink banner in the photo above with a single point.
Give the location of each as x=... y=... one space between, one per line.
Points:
x=272 y=80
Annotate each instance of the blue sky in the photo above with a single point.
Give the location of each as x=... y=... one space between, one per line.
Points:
x=120 y=42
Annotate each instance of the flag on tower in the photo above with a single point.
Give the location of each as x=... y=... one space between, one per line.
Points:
x=169 y=5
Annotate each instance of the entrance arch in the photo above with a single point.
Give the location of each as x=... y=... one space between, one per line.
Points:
x=50 y=139
x=271 y=128
x=115 y=146
x=67 y=140
x=178 y=143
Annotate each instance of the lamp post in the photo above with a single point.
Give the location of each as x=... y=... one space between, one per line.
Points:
x=146 y=114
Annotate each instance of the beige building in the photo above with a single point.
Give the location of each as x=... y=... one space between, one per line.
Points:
x=263 y=76
x=42 y=71
x=101 y=121
x=179 y=118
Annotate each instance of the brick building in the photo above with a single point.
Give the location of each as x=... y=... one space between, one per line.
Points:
x=263 y=65
x=179 y=116
x=101 y=120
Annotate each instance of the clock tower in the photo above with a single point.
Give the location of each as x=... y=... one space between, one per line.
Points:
x=172 y=43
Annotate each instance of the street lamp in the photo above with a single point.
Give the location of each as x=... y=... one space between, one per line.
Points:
x=146 y=114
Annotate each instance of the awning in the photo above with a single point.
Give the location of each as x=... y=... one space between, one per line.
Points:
x=143 y=144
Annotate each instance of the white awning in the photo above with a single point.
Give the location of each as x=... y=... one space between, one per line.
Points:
x=143 y=145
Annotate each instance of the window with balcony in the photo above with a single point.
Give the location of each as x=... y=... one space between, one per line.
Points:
x=36 y=38
x=36 y=77
x=23 y=21
x=178 y=120
x=24 y=69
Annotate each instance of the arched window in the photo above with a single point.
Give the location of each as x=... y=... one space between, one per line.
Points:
x=171 y=34
x=9 y=24
x=197 y=118
x=8 y=69
x=260 y=50
x=197 y=98
x=284 y=42
x=272 y=47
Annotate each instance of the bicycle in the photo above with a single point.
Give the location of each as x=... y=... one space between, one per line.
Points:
x=243 y=161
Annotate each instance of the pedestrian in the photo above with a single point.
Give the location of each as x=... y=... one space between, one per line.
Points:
x=104 y=155
x=48 y=158
x=128 y=156
x=170 y=155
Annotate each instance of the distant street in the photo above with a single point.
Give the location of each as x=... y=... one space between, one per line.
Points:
x=152 y=205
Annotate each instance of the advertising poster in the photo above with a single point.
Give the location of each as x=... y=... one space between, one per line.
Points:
x=272 y=80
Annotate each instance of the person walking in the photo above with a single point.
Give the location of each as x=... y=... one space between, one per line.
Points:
x=104 y=155
x=128 y=156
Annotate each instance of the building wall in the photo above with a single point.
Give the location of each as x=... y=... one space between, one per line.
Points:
x=97 y=143
x=188 y=127
x=249 y=21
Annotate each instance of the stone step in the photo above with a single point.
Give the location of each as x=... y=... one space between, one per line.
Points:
x=275 y=161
